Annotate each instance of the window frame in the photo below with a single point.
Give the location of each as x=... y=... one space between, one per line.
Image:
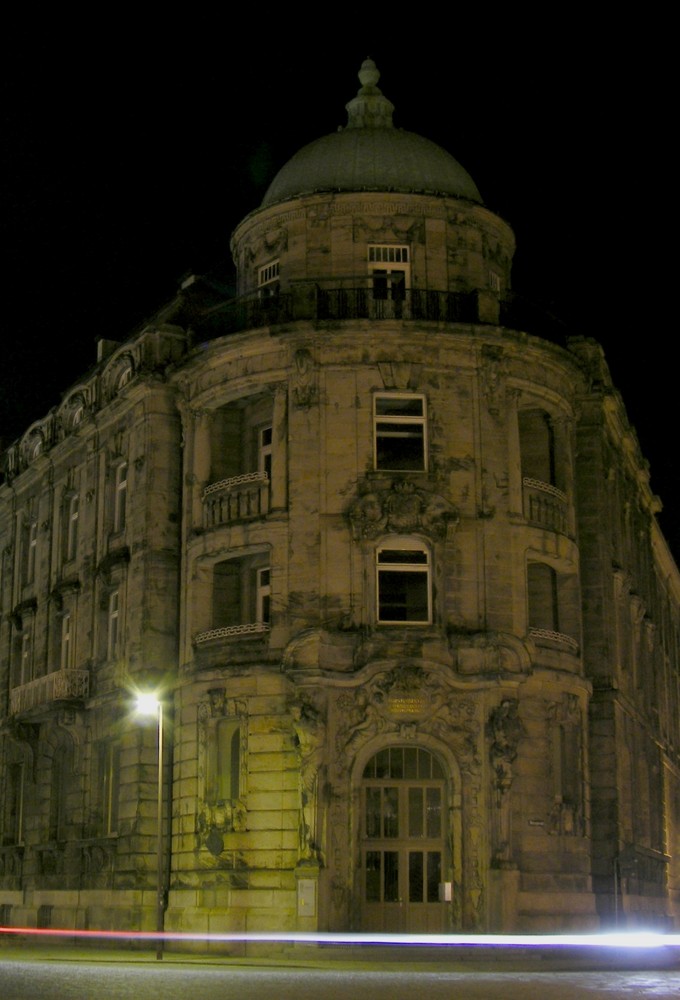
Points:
x=397 y=420
x=15 y=778
x=386 y=261
x=108 y=786
x=269 y=279
x=404 y=568
x=265 y=437
x=225 y=744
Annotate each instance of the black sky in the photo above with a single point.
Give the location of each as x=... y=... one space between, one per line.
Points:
x=130 y=151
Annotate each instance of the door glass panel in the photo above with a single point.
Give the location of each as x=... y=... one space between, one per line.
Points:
x=415 y=877
x=434 y=867
x=372 y=812
x=434 y=812
x=382 y=764
x=415 y=811
x=391 y=812
x=373 y=876
x=391 y=862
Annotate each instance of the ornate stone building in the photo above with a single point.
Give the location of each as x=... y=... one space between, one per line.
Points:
x=389 y=557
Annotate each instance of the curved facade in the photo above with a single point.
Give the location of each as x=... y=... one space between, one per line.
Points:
x=392 y=562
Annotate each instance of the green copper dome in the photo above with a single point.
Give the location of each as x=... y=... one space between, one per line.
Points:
x=370 y=154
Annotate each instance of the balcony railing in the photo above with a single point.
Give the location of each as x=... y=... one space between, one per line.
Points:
x=313 y=303
x=61 y=685
x=232 y=632
x=236 y=499
x=415 y=303
x=545 y=505
x=546 y=634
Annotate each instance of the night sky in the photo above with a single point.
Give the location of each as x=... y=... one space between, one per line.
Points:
x=127 y=161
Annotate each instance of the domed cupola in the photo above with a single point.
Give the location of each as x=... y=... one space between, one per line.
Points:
x=373 y=207
x=370 y=154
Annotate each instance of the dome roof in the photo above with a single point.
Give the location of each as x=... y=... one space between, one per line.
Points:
x=370 y=154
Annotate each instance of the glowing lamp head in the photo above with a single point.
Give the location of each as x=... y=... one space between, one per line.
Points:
x=147 y=704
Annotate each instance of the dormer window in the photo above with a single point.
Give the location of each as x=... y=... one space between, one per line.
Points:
x=495 y=282
x=389 y=270
x=124 y=376
x=268 y=280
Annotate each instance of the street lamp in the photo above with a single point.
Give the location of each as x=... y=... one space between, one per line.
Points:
x=150 y=704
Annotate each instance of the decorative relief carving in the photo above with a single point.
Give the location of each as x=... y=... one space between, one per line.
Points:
x=488 y=652
x=565 y=729
x=309 y=725
x=505 y=731
x=400 y=374
x=303 y=382
x=400 y=507
x=493 y=371
x=406 y=702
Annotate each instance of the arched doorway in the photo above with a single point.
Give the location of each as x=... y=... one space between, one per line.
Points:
x=404 y=854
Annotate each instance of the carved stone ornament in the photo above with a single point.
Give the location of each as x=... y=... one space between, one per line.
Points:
x=303 y=380
x=400 y=507
x=407 y=701
x=505 y=730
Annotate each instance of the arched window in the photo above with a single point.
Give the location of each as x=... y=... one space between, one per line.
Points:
x=224 y=763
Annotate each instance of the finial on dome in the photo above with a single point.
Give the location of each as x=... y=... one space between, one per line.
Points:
x=369 y=74
x=370 y=108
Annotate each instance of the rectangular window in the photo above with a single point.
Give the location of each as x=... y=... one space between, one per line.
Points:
x=263 y=595
x=113 y=625
x=388 y=254
x=403 y=586
x=58 y=786
x=400 y=432
x=390 y=275
x=108 y=766
x=14 y=804
x=120 y=497
x=495 y=282
x=264 y=450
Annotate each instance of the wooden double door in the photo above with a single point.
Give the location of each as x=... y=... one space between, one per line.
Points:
x=403 y=843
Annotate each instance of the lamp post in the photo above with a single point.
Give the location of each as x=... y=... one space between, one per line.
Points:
x=149 y=704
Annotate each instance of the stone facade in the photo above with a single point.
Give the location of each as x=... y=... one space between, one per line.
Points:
x=390 y=560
